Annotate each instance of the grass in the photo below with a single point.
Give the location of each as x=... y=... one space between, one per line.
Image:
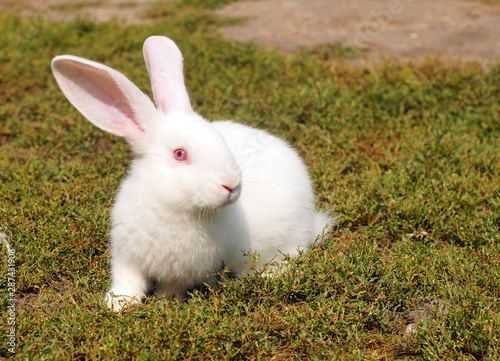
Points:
x=329 y=52
x=408 y=154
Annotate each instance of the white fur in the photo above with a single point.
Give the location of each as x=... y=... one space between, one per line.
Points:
x=176 y=223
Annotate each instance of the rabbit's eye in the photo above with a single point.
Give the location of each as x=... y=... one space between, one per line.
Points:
x=180 y=155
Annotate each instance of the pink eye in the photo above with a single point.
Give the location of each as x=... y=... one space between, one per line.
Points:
x=180 y=155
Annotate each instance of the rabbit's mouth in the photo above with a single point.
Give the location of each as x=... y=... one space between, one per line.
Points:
x=232 y=194
x=213 y=198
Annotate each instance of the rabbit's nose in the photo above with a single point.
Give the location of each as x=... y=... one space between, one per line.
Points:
x=232 y=188
x=234 y=191
x=229 y=188
x=231 y=182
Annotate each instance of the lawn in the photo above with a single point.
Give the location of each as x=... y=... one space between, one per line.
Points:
x=408 y=154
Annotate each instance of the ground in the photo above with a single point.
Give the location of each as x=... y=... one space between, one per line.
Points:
x=403 y=29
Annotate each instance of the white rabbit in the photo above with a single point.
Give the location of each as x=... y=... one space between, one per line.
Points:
x=199 y=194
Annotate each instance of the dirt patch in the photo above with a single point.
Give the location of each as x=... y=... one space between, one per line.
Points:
x=67 y=10
x=404 y=29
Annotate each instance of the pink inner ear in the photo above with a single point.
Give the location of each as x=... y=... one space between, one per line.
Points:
x=164 y=62
x=101 y=95
x=108 y=96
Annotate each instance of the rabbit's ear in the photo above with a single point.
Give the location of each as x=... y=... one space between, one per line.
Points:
x=105 y=97
x=164 y=62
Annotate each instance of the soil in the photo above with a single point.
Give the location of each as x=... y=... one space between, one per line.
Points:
x=405 y=29
x=129 y=11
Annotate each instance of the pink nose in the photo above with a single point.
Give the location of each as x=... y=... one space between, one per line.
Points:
x=228 y=188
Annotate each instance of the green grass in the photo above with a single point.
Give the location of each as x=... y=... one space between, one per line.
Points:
x=329 y=52
x=408 y=154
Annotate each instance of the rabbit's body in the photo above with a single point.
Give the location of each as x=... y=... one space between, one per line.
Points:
x=170 y=246
x=199 y=194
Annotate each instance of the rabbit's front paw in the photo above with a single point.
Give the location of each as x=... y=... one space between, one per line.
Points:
x=117 y=302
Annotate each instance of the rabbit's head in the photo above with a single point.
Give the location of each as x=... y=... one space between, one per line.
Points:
x=181 y=160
